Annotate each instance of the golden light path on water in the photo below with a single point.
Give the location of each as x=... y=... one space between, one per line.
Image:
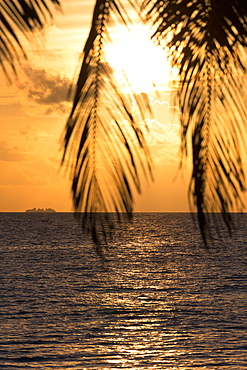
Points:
x=129 y=330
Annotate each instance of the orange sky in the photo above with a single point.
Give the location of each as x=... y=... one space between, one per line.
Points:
x=33 y=113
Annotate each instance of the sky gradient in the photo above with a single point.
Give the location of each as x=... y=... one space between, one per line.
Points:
x=34 y=109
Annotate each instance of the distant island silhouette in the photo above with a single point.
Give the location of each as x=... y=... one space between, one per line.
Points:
x=41 y=210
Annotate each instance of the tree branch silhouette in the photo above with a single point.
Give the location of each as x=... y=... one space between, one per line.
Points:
x=20 y=17
x=206 y=42
x=106 y=144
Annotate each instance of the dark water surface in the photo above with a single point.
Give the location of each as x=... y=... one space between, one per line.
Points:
x=159 y=299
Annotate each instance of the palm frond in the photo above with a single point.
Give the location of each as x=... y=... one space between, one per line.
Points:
x=103 y=137
x=207 y=40
x=20 y=17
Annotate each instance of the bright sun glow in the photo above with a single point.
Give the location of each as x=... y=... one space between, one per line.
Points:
x=143 y=63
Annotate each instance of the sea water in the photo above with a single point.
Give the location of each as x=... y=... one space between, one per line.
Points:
x=156 y=299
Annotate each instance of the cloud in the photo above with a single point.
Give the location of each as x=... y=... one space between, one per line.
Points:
x=8 y=154
x=9 y=110
x=166 y=103
x=50 y=91
x=164 y=142
x=58 y=108
x=163 y=133
x=44 y=88
x=29 y=133
x=78 y=15
x=34 y=133
x=166 y=156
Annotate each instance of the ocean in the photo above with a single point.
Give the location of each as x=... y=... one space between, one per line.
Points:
x=156 y=299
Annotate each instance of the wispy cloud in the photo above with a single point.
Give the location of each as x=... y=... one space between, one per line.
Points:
x=34 y=133
x=164 y=141
x=44 y=88
x=10 y=154
x=164 y=102
x=8 y=110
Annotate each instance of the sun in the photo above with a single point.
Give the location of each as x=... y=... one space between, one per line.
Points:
x=134 y=56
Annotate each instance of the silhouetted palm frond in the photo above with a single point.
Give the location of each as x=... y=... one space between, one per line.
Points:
x=104 y=137
x=22 y=16
x=207 y=40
